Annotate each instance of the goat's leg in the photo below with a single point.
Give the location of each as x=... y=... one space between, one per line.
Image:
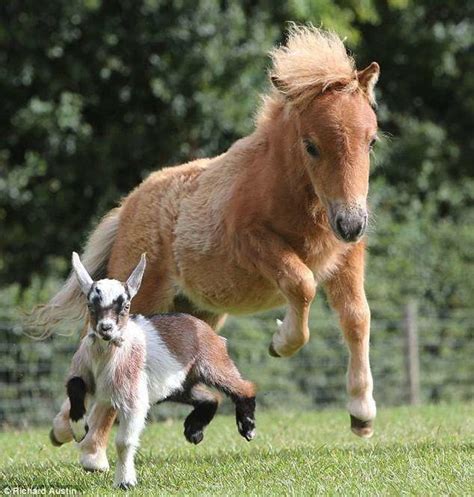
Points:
x=131 y=425
x=205 y=405
x=61 y=431
x=77 y=391
x=263 y=250
x=347 y=296
x=220 y=372
x=93 y=447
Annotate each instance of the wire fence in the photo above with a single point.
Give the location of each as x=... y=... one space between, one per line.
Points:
x=32 y=372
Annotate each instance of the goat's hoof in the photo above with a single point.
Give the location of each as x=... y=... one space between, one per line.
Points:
x=272 y=351
x=363 y=429
x=194 y=437
x=94 y=462
x=126 y=485
x=53 y=439
x=79 y=429
x=247 y=429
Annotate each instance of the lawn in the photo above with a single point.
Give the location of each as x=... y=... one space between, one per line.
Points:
x=415 y=451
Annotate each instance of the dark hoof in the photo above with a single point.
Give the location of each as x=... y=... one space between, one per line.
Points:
x=53 y=439
x=126 y=486
x=247 y=429
x=194 y=436
x=272 y=351
x=364 y=429
x=250 y=435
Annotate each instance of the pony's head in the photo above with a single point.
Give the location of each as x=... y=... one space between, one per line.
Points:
x=332 y=105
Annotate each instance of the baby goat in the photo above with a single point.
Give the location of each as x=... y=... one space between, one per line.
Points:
x=130 y=362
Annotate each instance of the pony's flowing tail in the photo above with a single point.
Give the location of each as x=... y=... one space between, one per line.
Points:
x=69 y=304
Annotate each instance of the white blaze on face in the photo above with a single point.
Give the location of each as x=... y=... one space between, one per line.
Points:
x=107 y=291
x=103 y=299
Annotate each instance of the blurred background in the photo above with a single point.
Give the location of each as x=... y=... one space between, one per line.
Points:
x=96 y=95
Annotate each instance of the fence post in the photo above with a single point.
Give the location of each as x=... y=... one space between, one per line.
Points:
x=412 y=360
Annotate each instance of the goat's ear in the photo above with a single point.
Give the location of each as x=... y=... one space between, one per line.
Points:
x=135 y=279
x=368 y=78
x=85 y=281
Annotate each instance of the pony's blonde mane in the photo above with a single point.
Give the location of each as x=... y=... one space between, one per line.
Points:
x=312 y=61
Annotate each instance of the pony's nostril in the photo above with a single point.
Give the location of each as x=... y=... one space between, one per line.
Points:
x=339 y=225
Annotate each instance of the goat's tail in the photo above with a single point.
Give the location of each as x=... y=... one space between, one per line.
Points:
x=69 y=304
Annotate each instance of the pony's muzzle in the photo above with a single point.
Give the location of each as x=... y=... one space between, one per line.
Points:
x=349 y=224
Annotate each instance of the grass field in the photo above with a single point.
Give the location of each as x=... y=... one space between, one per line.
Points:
x=416 y=451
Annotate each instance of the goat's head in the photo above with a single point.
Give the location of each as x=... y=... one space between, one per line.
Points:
x=108 y=300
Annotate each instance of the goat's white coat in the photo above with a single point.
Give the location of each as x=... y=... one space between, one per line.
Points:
x=165 y=373
x=161 y=375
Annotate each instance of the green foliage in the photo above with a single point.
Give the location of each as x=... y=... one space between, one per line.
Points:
x=97 y=94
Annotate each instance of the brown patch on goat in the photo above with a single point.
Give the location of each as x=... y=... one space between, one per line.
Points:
x=127 y=373
x=194 y=343
x=180 y=333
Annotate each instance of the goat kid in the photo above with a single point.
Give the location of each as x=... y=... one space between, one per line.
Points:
x=129 y=362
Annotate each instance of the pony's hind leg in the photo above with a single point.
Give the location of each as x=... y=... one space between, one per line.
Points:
x=205 y=405
x=183 y=304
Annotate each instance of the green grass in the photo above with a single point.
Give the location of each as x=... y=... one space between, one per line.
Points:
x=416 y=451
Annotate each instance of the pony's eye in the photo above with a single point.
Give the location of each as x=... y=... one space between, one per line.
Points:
x=372 y=143
x=311 y=148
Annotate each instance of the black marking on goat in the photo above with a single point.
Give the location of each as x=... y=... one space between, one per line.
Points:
x=245 y=416
x=92 y=289
x=76 y=391
x=198 y=419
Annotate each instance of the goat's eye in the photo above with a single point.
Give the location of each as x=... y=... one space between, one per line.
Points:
x=311 y=148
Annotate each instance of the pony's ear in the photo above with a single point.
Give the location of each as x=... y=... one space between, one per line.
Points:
x=85 y=281
x=368 y=78
x=135 y=279
x=277 y=83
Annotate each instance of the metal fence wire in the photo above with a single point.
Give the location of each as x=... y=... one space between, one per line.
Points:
x=32 y=372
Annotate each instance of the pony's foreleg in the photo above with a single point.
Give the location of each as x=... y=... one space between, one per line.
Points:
x=277 y=261
x=347 y=296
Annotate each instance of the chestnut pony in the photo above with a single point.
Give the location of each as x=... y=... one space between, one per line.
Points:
x=283 y=211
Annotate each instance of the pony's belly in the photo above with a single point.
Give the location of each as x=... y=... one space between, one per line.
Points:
x=220 y=286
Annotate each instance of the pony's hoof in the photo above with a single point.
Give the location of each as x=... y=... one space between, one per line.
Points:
x=53 y=439
x=363 y=429
x=272 y=351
